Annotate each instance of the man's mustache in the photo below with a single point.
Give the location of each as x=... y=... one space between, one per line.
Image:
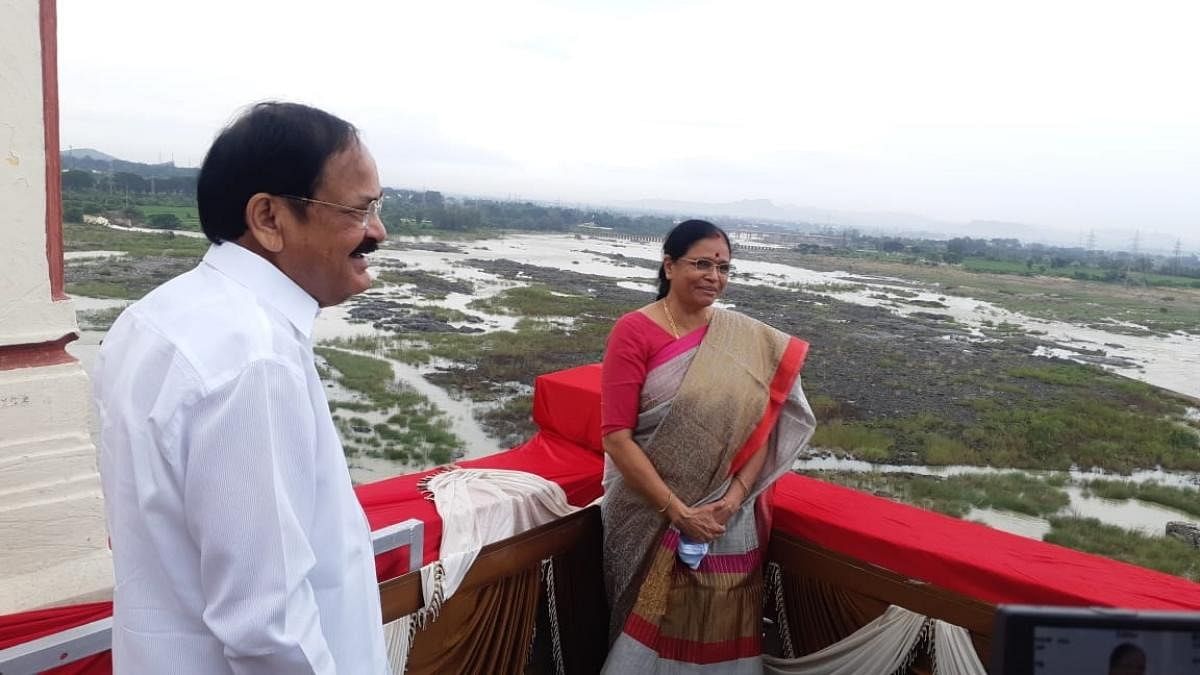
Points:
x=368 y=245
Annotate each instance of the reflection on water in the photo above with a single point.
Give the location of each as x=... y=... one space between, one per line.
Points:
x=1009 y=521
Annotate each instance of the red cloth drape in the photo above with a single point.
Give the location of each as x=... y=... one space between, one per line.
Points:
x=967 y=557
x=25 y=627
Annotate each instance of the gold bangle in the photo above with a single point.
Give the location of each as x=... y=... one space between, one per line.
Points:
x=741 y=482
x=670 y=496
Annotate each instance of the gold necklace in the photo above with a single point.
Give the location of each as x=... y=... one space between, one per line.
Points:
x=670 y=319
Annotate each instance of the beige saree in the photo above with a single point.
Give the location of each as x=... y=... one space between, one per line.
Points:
x=704 y=411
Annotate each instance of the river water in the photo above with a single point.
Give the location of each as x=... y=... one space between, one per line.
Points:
x=1170 y=362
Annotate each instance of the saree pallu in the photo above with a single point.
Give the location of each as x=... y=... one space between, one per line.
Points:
x=706 y=407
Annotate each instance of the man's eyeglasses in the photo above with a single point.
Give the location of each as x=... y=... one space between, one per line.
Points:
x=373 y=209
x=704 y=266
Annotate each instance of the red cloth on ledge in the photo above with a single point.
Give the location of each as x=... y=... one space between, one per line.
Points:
x=966 y=557
x=25 y=627
x=567 y=450
x=577 y=470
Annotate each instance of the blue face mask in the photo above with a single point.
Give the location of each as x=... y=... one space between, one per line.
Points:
x=691 y=552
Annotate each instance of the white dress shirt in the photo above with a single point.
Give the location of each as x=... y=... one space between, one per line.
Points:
x=238 y=543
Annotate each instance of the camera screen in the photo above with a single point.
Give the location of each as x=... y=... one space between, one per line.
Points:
x=1063 y=649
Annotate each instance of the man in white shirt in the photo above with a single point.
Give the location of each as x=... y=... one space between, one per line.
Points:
x=238 y=543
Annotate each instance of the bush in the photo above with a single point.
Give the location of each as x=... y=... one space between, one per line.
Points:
x=166 y=221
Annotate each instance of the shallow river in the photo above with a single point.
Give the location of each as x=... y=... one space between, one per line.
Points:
x=1169 y=362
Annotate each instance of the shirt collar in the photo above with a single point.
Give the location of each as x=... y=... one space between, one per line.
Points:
x=267 y=282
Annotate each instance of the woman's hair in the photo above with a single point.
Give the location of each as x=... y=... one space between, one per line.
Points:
x=679 y=240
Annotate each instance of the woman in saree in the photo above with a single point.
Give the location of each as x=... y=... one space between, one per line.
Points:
x=701 y=411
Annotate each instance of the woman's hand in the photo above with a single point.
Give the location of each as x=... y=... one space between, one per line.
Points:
x=699 y=524
x=724 y=508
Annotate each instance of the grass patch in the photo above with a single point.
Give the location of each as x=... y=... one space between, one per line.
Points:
x=957 y=495
x=79 y=237
x=1180 y=499
x=825 y=407
x=1050 y=415
x=1062 y=299
x=189 y=218
x=1084 y=431
x=415 y=431
x=488 y=362
x=536 y=301
x=429 y=285
x=860 y=440
x=512 y=421
x=1159 y=553
x=102 y=289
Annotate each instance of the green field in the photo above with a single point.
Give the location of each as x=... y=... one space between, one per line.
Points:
x=1079 y=272
x=187 y=215
x=1159 y=309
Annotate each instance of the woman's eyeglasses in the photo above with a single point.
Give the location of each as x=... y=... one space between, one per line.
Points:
x=373 y=209
x=704 y=266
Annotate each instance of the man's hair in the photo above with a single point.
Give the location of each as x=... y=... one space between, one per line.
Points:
x=274 y=147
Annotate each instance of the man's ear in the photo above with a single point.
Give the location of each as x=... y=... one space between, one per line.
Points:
x=263 y=214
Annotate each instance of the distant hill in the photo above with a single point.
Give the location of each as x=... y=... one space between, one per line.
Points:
x=87 y=159
x=87 y=153
x=766 y=210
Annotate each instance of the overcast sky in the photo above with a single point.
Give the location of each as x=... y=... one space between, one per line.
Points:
x=1069 y=115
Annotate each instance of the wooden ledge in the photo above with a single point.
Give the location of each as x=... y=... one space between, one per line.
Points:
x=806 y=558
x=402 y=595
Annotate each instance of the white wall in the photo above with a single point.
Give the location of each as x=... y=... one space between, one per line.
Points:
x=53 y=545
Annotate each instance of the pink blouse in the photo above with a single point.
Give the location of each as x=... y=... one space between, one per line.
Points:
x=635 y=346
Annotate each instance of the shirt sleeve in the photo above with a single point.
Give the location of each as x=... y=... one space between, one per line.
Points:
x=248 y=490
x=621 y=377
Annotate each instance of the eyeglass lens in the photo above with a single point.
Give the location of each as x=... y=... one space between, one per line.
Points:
x=705 y=265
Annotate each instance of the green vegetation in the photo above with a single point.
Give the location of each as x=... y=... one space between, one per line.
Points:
x=1033 y=496
x=1180 y=499
x=1159 y=553
x=1057 y=415
x=863 y=441
x=1079 y=272
x=79 y=237
x=415 y=430
x=142 y=208
x=511 y=421
x=1086 y=302
x=127 y=278
x=185 y=217
x=537 y=301
x=429 y=285
x=957 y=495
x=123 y=278
x=490 y=361
x=415 y=212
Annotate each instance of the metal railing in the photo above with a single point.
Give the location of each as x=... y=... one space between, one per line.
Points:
x=80 y=642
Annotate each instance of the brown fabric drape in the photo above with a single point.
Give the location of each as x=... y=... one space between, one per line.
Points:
x=487 y=630
x=820 y=614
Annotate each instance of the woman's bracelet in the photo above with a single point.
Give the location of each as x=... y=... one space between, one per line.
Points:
x=670 y=497
x=741 y=482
